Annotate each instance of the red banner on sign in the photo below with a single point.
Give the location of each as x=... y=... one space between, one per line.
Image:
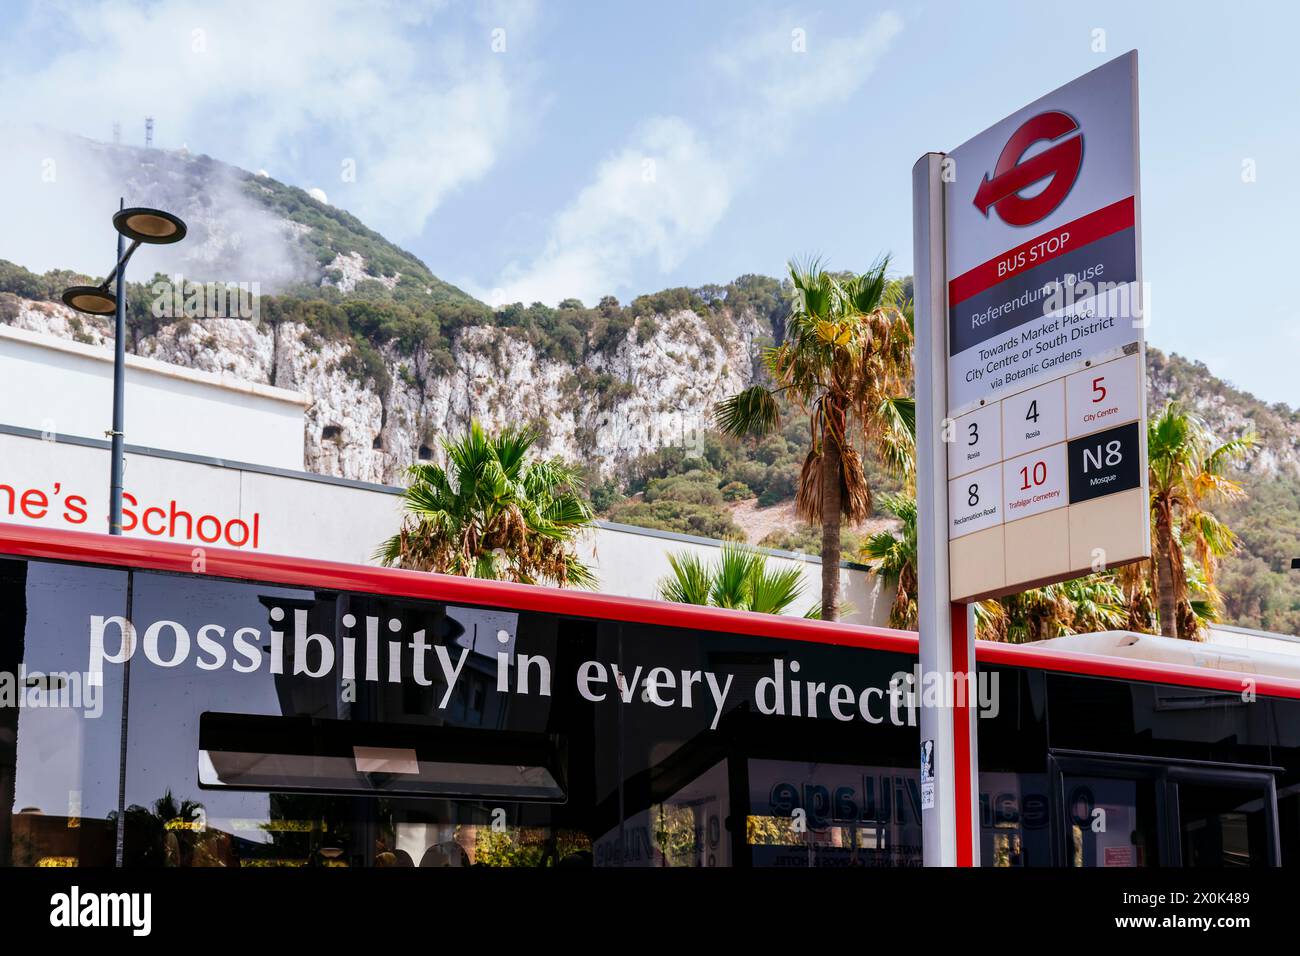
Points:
x=1066 y=238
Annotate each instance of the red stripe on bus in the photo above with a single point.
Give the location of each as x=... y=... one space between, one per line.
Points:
x=1104 y=222
x=89 y=548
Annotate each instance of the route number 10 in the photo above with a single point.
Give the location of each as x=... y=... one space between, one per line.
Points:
x=1033 y=476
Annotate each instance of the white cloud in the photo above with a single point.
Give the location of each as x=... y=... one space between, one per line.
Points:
x=619 y=222
x=786 y=80
x=657 y=198
x=420 y=109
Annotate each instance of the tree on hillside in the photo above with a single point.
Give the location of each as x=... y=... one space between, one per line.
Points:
x=493 y=512
x=1188 y=471
x=846 y=363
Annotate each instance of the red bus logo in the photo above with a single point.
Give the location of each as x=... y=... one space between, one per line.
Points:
x=1060 y=162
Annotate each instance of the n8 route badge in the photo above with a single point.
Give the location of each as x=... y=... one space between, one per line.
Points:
x=1104 y=463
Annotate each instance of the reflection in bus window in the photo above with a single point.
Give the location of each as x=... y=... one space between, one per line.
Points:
x=685 y=828
x=1112 y=822
x=1015 y=820
x=812 y=814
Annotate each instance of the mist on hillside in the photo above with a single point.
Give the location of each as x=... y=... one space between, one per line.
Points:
x=59 y=193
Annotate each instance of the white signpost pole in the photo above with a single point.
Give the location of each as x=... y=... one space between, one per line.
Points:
x=949 y=790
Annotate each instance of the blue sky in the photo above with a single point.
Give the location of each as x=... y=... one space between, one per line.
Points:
x=541 y=150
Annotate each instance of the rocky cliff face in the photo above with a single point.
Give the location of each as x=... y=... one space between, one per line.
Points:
x=1228 y=411
x=655 y=388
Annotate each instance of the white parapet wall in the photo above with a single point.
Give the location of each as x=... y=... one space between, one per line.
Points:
x=62 y=482
x=57 y=386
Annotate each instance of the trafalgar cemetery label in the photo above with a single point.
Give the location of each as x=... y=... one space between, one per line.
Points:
x=1046 y=370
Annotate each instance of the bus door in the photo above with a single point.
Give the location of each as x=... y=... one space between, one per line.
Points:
x=1119 y=812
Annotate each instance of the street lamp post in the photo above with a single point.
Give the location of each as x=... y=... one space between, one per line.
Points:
x=140 y=226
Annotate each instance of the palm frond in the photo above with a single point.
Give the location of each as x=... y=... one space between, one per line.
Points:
x=815 y=290
x=1230 y=452
x=772 y=591
x=689 y=582
x=732 y=576
x=866 y=293
x=753 y=411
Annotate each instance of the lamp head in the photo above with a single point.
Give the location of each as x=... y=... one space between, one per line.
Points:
x=90 y=299
x=149 y=225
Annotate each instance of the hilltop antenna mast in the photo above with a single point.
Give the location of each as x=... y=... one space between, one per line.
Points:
x=117 y=133
x=148 y=132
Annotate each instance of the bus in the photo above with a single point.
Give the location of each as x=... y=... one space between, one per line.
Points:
x=165 y=705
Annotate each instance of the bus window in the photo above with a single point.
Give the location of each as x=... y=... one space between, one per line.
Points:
x=1111 y=821
x=273 y=726
x=1224 y=826
x=817 y=814
x=801 y=764
x=60 y=726
x=1014 y=804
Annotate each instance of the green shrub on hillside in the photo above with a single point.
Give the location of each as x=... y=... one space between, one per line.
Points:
x=806 y=539
x=684 y=517
x=695 y=487
x=1258 y=586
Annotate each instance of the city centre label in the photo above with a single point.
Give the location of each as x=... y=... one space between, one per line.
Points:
x=1046 y=383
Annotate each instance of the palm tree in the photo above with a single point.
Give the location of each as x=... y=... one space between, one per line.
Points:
x=895 y=555
x=846 y=363
x=740 y=579
x=1092 y=603
x=493 y=513
x=1188 y=470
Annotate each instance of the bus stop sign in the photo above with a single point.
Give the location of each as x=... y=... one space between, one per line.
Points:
x=1045 y=378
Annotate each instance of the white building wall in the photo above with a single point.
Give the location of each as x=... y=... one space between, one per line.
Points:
x=55 y=385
